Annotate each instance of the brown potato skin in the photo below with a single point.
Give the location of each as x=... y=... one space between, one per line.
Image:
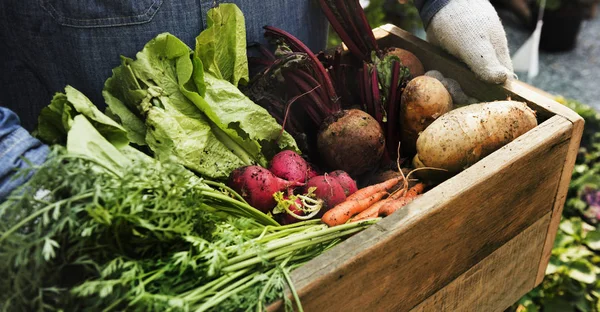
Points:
x=465 y=135
x=423 y=100
x=351 y=140
x=408 y=59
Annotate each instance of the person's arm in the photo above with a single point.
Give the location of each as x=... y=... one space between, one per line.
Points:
x=17 y=148
x=470 y=30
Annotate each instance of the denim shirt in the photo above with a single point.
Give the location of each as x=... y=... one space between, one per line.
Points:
x=47 y=44
x=17 y=148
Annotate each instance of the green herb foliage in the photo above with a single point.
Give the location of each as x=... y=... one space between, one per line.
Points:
x=79 y=237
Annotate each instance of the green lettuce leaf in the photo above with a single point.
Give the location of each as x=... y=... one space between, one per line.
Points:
x=222 y=45
x=173 y=126
x=84 y=139
x=186 y=105
x=56 y=119
x=248 y=124
x=124 y=85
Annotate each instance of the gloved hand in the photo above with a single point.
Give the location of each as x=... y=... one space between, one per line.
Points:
x=471 y=30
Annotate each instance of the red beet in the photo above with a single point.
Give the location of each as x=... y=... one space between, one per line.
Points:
x=327 y=189
x=352 y=141
x=345 y=180
x=257 y=186
x=290 y=166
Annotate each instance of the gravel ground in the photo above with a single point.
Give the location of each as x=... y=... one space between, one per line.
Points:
x=574 y=74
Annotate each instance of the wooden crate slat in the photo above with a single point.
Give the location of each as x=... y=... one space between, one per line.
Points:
x=496 y=282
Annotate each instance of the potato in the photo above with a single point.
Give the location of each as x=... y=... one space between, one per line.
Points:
x=408 y=59
x=423 y=100
x=465 y=135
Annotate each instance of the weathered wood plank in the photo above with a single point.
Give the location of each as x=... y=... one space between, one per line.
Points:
x=410 y=255
x=496 y=282
x=542 y=98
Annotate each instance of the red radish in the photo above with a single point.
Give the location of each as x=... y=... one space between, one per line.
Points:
x=290 y=166
x=257 y=186
x=293 y=208
x=345 y=180
x=286 y=218
x=311 y=172
x=327 y=189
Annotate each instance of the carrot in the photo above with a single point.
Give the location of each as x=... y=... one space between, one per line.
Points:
x=373 y=211
x=343 y=211
x=375 y=188
x=411 y=194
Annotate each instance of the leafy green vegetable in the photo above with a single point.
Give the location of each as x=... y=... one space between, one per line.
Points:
x=152 y=238
x=222 y=45
x=166 y=100
x=174 y=126
x=85 y=140
x=55 y=120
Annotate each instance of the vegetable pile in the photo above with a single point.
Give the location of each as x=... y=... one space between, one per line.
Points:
x=201 y=187
x=149 y=237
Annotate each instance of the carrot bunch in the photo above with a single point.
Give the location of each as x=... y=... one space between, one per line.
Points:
x=373 y=201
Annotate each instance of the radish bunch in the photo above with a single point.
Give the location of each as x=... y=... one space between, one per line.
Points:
x=290 y=188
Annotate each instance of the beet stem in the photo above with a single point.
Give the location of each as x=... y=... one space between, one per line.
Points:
x=310 y=80
x=289 y=105
x=297 y=44
x=376 y=97
x=366 y=30
x=367 y=89
x=343 y=11
x=315 y=101
x=392 y=109
x=340 y=30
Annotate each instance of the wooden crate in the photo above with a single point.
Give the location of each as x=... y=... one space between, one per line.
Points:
x=477 y=242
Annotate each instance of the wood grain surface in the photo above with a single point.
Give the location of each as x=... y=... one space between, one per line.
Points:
x=498 y=281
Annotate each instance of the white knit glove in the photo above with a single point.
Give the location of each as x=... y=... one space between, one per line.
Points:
x=471 y=30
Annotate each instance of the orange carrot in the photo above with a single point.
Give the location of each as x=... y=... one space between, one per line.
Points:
x=373 y=211
x=392 y=206
x=375 y=188
x=343 y=211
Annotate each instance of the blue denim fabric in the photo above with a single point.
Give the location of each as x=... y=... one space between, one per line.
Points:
x=15 y=145
x=47 y=44
x=428 y=8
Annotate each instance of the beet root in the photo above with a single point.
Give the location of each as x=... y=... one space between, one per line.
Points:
x=257 y=186
x=352 y=141
x=290 y=166
x=345 y=180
